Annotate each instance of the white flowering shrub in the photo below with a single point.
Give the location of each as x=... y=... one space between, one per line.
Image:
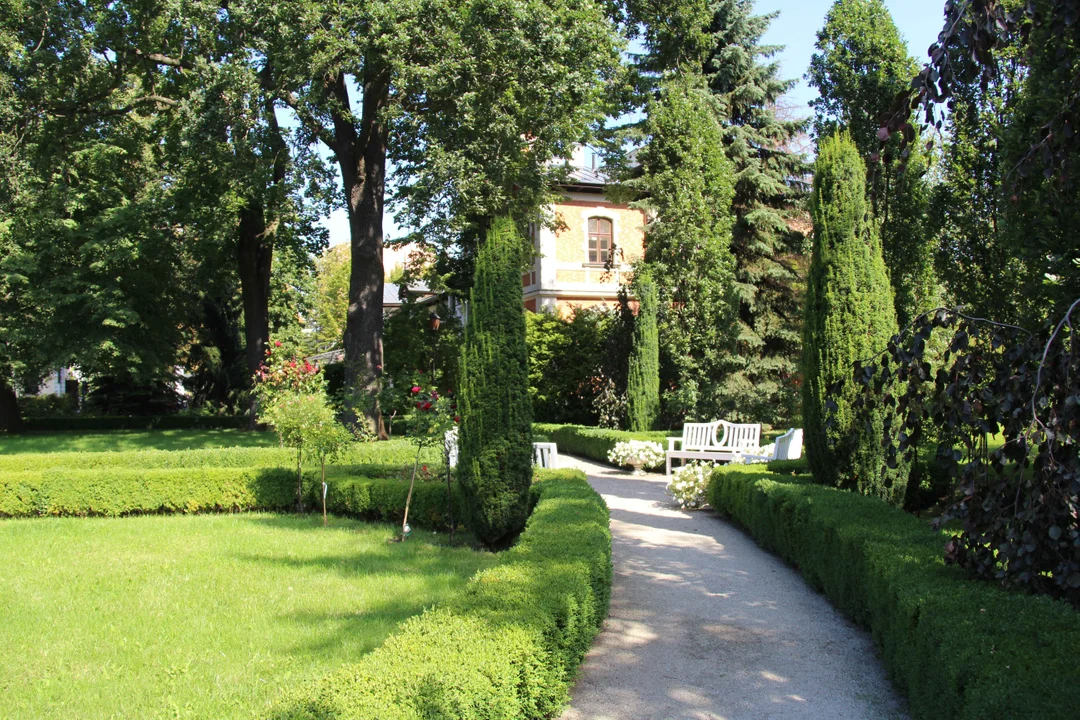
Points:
x=742 y=458
x=649 y=454
x=688 y=484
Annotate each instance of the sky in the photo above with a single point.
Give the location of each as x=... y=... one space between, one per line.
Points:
x=796 y=28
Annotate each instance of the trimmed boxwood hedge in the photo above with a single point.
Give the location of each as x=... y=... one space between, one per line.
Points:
x=959 y=648
x=594 y=443
x=395 y=454
x=508 y=646
x=116 y=422
x=112 y=491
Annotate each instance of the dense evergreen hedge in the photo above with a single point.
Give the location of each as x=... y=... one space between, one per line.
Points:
x=958 y=647
x=117 y=422
x=495 y=439
x=372 y=492
x=506 y=648
x=594 y=443
x=381 y=455
x=849 y=318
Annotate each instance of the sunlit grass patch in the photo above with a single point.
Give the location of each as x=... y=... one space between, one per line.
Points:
x=206 y=616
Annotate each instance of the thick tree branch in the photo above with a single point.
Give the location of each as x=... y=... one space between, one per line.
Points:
x=164 y=60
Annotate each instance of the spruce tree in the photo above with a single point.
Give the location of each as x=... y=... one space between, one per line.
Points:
x=770 y=256
x=849 y=318
x=643 y=380
x=495 y=461
x=687 y=185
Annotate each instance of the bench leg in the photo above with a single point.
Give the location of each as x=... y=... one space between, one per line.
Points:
x=667 y=466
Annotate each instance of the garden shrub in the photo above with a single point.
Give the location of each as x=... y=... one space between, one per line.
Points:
x=595 y=443
x=958 y=647
x=151 y=422
x=393 y=454
x=643 y=377
x=508 y=646
x=372 y=492
x=496 y=454
x=849 y=318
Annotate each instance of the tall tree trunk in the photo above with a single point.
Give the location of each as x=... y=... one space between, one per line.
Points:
x=362 y=159
x=9 y=407
x=255 y=253
x=254 y=257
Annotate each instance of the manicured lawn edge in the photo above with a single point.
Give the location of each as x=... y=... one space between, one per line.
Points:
x=959 y=648
x=508 y=646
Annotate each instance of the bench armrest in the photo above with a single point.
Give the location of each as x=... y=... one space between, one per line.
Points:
x=671 y=441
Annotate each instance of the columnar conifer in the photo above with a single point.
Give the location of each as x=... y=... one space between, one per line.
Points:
x=495 y=461
x=643 y=380
x=849 y=318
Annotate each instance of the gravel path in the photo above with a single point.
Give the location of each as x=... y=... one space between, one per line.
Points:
x=706 y=625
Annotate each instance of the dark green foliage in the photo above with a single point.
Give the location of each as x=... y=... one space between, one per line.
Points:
x=595 y=443
x=153 y=422
x=861 y=65
x=643 y=378
x=849 y=318
x=495 y=461
x=958 y=648
x=1017 y=502
x=124 y=491
x=789 y=467
x=686 y=185
x=770 y=257
x=1043 y=218
x=508 y=647
x=569 y=357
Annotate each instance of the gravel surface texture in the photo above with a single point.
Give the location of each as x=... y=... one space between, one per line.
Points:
x=704 y=624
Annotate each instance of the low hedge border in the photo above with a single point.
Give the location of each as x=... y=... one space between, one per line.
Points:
x=594 y=443
x=395 y=454
x=958 y=647
x=114 y=492
x=153 y=422
x=508 y=646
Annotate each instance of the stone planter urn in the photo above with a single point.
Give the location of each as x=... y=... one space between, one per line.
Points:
x=638 y=465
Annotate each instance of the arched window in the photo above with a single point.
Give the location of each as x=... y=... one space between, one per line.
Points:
x=600 y=240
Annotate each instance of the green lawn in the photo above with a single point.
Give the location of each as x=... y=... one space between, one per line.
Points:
x=200 y=616
x=124 y=440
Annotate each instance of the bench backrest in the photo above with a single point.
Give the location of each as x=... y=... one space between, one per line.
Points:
x=740 y=435
x=789 y=445
x=699 y=436
x=544 y=454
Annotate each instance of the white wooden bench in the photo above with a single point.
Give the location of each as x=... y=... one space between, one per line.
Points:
x=699 y=442
x=788 y=447
x=545 y=454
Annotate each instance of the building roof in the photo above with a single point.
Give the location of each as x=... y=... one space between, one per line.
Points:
x=391 y=295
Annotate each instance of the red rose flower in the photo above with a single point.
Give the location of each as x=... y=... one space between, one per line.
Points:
x=457 y=419
x=427 y=406
x=277 y=343
x=415 y=389
x=418 y=405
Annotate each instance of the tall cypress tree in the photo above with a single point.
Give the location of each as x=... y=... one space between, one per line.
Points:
x=770 y=257
x=495 y=461
x=849 y=317
x=643 y=379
